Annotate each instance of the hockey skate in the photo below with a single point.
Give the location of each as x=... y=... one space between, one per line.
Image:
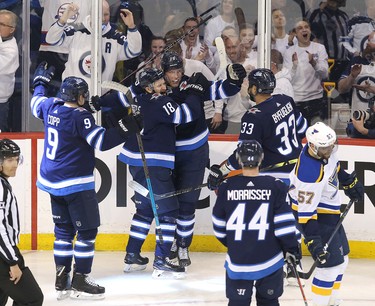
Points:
x=62 y=283
x=165 y=268
x=173 y=255
x=183 y=257
x=135 y=262
x=84 y=288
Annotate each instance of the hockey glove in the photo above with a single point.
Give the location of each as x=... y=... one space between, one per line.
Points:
x=197 y=84
x=293 y=258
x=235 y=74
x=93 y=105
x=130 y=125
x=43 y=75
x=353 y=188
x=315 y=246
x=215 y=177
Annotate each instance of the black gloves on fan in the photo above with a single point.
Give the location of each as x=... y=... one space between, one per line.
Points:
x=215 y=177
x=130 y=124
x=353 y=188
x=315 y=246
x=235 y=74
x=43 y=75
x=197 y=84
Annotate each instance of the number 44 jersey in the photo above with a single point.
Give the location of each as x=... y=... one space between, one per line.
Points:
x=252 y=218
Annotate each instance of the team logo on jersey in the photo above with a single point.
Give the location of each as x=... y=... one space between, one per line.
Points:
x=362 y=95
x=253 y=110
x=241 y=291
x=2 y=205
x=84 y=64
x=61 y=11
x=155 y=96
x=183 y=85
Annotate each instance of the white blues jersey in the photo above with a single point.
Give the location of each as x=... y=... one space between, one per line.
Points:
x=253 y=220
x=314 y=189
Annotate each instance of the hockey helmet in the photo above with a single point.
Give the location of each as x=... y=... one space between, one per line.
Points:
x=72 y=87
x=170 y=61
x=321 y=139
x=263 y=79
x=148 y=76
x=8 y=148
x=249 y=153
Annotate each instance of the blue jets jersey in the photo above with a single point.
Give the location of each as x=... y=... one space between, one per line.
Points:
x=193 y=135
x=253 y=220
x=160 y=115
x=279 y=127
x=71 y=137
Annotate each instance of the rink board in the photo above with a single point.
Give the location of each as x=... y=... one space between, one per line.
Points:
x=117 y=209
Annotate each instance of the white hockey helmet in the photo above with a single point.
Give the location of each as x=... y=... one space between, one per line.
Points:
x=320 y=137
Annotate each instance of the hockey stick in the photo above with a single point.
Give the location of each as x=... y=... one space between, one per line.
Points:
x=167 y=48
x=291 y=263
x=219 y=43
x=125 y=90
x=209 y=10
x=240 y=17
x=342 y=217
x=144 y=192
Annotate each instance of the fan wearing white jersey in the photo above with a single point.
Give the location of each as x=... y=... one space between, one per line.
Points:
x=314 y=193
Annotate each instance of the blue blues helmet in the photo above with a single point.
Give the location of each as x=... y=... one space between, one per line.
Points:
x=171 y=60
x=263 y=79
x=249 y=153
x=148 y=76
x=8 y=148
x=72 y=87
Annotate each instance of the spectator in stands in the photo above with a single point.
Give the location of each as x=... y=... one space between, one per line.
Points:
x=328 y=25
x=307 y=62
x=125 y=68
x=238 y=104
x=359 y=27
x=115 y=45
x=192 y=48
x=216 y=25
x=247 y=38
x=282 y=75
x=57 y=54
x=281 y=40
x=360 y=73
x=9 y=63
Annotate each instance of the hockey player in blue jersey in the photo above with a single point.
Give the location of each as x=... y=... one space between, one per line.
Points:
x=66 y=173
x=192 y=154
x=314 y=186
x=252 y=218
x=276 y=124
x=160 y=115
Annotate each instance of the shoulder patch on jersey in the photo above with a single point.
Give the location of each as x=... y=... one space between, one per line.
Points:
x=155 y=96
x=308 y=169
x=254 y=110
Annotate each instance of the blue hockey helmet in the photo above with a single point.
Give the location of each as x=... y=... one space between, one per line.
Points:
x=263 y=79
x=72 y=87
x=249 y=153
x=171 y=60
x=8 y=148
x=148 y=76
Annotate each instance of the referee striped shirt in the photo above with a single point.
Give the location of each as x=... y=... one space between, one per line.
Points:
x=9 y=223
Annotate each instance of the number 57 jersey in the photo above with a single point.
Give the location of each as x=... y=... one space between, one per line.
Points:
x=252 y=218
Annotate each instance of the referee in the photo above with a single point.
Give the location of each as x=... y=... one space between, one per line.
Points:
x=16 y=280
